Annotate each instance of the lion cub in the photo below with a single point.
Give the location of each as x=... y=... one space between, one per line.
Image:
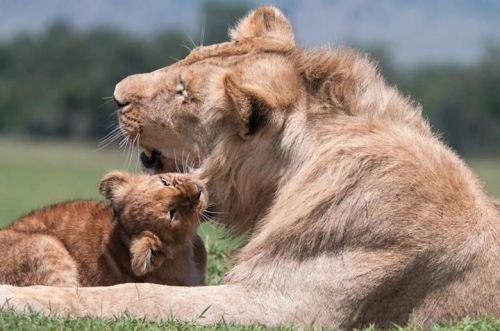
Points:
x=146 y=234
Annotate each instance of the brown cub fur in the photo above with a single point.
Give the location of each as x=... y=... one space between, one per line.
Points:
x=147 y=234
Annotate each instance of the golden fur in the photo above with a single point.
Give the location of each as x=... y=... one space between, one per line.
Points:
x=356 y=213
x=147 y=234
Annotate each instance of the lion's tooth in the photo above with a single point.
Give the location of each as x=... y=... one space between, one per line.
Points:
x=148 y=152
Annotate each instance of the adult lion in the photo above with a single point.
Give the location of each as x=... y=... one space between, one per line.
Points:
x=356 y=212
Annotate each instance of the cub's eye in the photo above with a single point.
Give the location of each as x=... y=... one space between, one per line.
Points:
x=165 y=182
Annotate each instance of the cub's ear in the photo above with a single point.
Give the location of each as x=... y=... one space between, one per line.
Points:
x=251 y=110
x=265 y=22
x=112 y=184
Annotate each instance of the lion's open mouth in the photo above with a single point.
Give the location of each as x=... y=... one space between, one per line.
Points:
x=150 y=159
x=155 y=161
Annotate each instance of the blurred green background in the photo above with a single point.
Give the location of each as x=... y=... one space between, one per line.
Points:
x=55 y=84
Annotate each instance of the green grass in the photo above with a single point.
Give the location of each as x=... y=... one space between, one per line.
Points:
x=12 y=321
x=33 y=321
x=36 y=173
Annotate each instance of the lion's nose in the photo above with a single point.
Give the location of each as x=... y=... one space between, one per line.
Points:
x=138 y=87
x=131 y=85
x=120 y=103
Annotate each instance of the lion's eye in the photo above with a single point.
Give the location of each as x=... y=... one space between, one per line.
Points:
x=165 y=182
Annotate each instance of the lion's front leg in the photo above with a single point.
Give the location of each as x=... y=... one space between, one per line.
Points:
x=206 y=304
x=36 y=298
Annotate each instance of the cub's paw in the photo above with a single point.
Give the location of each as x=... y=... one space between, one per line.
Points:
x=146 y=253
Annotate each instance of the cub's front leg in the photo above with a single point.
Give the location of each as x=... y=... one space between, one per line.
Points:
x=147 y=253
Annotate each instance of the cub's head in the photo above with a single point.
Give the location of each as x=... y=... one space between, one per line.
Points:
x=169 y=205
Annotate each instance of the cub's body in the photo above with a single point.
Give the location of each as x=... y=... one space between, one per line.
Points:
x=85 y=243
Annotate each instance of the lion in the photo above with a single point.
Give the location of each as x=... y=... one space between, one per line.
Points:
x=147 y=234
x=355 y=211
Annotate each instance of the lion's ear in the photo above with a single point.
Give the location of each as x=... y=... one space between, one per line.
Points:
x=251 y=109
x=112 y=185
x=265 y=22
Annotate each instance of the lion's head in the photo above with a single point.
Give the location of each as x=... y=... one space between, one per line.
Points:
x=234 y=90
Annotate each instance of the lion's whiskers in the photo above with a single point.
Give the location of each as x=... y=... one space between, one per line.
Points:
x=175 y=162
x=122 y=142
x=184 y=162
x=189 y=163
x=109 y=138
x=113 y=114
x=206 y=218
x=138 y=144
x=112 y=135
x=131 y=150
x=190 y=39
x=104 y=103
x=126 y=149
x=214 y=213
x=128 y=145
x=186 y=47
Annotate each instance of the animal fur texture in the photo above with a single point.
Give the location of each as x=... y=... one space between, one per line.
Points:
x=356 y=212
